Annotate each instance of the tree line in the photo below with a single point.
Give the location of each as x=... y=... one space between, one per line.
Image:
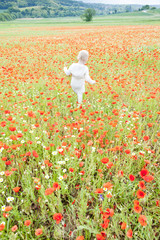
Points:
x=13 y=9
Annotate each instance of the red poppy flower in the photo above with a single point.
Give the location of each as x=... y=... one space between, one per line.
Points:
x=137 y=208
x=27 y=223
x=99 y=237
x=5 y=215
x=144 y=172
x=109 y=195
x=109 y=165
x=108 y=213
x=3 y=124
x=49 y=191
x=8 y=209
x=35 y=154
x=103 y=234
x=71 y=169
x=2 y=226
x=142 y=220
x=136 y=202
x=129 y=233
x=56 y=186
x=8 y=173
x=123 y=225
x=146 y=138
x=28 y=154
x=127 y=151
x=131 y=177
x=7 y=163
x=104 y=160
x=19 y=135
x=31 y=114
x=38 y=232
x=140 y=194
x=142 y=185
x=80 y=238
x=99 y=190
x=105 y=224
x=108 y=185
x=14 y=228
x=16 y=189
x=148 y=178
x=58 y=217
x=81 y=164
x=12 y=129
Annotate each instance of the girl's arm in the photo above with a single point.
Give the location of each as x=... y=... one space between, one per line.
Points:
x=67 y=71
x=88 y=79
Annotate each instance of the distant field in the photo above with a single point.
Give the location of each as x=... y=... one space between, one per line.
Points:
x=30 y=7
x=136 y=18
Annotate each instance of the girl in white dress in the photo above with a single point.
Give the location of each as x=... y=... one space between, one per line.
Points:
x=79 y=73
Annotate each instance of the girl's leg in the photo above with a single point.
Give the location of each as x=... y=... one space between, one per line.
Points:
x=80 y=97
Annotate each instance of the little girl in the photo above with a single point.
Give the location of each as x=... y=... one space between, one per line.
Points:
x=79 y=73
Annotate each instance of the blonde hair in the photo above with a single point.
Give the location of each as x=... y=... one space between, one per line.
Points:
x=83 y=56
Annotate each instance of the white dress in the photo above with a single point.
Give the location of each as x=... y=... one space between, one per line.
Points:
x=79 y=73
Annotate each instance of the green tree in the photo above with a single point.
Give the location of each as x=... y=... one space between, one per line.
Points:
x=146 y=7
x=88 y=14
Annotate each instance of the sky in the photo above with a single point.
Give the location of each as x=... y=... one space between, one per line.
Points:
x=139 y=2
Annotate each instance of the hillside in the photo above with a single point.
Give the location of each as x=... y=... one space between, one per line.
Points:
x=13 y=9
x=55 y=4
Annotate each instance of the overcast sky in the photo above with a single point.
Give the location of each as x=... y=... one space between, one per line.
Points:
x=139 y=2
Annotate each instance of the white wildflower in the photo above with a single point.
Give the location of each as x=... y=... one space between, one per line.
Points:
x=10 y=199
x=1 y=180
x=60 y=150
x=54 y=153
x=60 y=178
x=47 y=176
x=3 y=208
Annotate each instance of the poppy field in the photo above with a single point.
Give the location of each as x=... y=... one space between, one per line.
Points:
x=80 y=172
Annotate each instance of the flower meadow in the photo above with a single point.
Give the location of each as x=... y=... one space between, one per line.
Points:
x=80 y=172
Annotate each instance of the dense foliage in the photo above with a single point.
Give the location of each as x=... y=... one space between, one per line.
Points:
x=88 y=14
x=44 y=8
